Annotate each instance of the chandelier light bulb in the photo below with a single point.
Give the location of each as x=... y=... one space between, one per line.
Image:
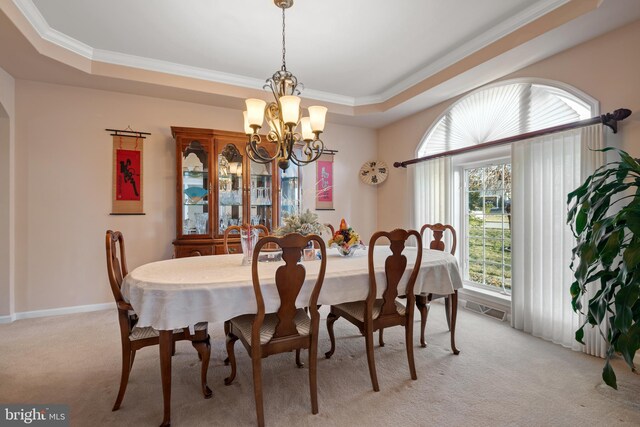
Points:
x=290 y=106
x=255 y=111
x=317 y=114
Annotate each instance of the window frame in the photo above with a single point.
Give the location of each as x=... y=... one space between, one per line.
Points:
x=481 y=158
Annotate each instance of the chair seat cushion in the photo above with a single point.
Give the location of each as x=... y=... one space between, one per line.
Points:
x=243 y=324
x=149 y=332
x=356 y=309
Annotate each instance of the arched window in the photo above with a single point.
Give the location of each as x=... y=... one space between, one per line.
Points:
x=505 y=109
x=473 y=191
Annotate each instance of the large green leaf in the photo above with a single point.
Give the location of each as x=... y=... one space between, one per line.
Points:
x=581 y=218
x=631 y=256
x=609 y=376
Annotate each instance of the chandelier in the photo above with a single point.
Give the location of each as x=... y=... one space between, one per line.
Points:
x=283 y=118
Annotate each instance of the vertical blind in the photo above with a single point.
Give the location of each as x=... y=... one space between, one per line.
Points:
x=545 y=170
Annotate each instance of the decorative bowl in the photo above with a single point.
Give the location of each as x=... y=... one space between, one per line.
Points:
x=195 y=194
x=347 y=251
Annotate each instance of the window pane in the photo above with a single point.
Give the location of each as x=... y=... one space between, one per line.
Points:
x=475 y=272
x=488 y=228
x=475 y=225
x=476 y=249
x=494 y=177
x=474 y=200
x=474 y=179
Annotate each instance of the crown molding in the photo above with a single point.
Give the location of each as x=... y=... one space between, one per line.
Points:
x=46 y=32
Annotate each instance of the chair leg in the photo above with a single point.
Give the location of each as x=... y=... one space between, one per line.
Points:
x=204 y=351
x=368 y=336
x=313 y=374
x=256 y=361
x=231 y=340
x=421 y=304
x=380 y=337
x=299 y=364
x=227 y=329
x=124 y=377
x=133 y=357
x=454 y=316
x=173 y=350
x=331 y=318
x=409 y=341
x=447 y=310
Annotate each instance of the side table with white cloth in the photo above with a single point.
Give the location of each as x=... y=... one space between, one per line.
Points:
x=180 y=292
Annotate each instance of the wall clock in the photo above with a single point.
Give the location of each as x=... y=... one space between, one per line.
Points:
x=374 y=172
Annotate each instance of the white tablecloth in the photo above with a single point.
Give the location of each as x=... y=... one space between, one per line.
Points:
x=180 y=292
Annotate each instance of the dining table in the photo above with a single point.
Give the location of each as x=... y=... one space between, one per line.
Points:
x=181 y=292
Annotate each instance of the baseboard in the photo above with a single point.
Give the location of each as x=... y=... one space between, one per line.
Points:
x=7 y=319
x=56 y=312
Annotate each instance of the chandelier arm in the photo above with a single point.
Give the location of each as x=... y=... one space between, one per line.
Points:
x=312 y=149
x=254 y=153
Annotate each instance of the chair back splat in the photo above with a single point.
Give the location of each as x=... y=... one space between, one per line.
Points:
x=116 y=268
x=438 y=230
x=394 y=266
x=264 y=231
x=289 y=280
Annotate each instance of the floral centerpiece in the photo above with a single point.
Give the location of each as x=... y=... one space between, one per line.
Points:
x=346 y=240
x=306 y=223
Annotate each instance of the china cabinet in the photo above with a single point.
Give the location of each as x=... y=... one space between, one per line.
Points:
x=219 y=186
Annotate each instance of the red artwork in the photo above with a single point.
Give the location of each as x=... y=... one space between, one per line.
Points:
x=128 y=175
x=325 y=181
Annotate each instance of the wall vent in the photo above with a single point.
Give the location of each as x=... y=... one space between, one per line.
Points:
x=488 y=311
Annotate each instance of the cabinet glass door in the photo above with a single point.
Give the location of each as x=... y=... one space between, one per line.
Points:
x=230 y=165
x=195 y=189
x=261 y=186
x=289 y=191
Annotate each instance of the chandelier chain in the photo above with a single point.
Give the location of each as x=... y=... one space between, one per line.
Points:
x=284 y=50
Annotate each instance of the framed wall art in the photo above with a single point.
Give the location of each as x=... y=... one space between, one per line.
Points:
x=127 y=189
x=324 y=182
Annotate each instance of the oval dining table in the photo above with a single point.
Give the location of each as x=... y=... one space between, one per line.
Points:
x=177 y=293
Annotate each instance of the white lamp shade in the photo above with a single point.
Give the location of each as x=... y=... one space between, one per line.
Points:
x=317 y=114
x=247 y=128
x=305 y=124
x=290 y=105
x=255 y=111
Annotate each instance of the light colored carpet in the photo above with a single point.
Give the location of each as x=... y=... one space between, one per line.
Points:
x=501 y=377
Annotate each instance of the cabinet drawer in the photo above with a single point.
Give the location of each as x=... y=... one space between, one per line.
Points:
x=187 y=251
x=234 y=248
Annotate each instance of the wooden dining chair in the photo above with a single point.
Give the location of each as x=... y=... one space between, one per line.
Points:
x=264 y=231
x=375 y=314
x=290 y=328
x=331 y=229
x=423 y=300
x=134 y=338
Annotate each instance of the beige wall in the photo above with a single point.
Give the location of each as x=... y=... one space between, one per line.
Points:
x=7 y=235
x=607 y=68
x=65 y=173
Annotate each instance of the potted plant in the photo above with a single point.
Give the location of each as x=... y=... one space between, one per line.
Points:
x=604 y=214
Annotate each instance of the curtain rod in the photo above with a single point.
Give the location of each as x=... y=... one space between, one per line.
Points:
x=610 y=119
